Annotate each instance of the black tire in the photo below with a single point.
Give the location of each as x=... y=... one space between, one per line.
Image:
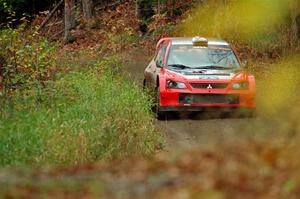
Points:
x=158 y=114
x=144 y=85
x=249 y=113
x=252 y=113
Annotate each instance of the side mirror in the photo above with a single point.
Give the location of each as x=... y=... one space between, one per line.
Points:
x=158 y=64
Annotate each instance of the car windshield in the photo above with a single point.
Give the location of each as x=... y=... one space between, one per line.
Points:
x=214 y=57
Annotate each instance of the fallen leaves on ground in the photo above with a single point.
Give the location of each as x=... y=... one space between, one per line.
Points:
x=248 y=169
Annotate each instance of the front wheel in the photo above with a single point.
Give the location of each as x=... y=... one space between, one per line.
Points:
x=248 y=113
x=252 y=113
x=144 y=85
x=158 y=114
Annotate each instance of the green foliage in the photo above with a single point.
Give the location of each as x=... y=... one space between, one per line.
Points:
x=27 y=60
x=15 y=3
x=8 y=6
x=160 y=32
x=93 y=115
x=85 y=112
x=119 y=42
x=21 y=7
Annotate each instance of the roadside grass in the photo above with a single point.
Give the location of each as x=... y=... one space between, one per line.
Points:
x=86 y=115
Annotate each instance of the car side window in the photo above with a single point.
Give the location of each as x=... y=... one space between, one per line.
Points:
x=161 y=55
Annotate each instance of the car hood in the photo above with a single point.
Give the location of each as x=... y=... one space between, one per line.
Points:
x=208 y=74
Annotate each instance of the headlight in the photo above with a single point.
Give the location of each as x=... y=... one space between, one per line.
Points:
x=173 y=84
x=240 y=86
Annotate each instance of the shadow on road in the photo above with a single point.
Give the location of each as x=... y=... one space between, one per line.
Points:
x=204 y=116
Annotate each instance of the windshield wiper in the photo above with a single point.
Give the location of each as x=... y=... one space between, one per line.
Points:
x=181 y=66
x=222 y=58
x=216 y=67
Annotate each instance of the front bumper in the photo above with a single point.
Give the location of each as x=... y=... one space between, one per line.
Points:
x=206 y=100
x=204 y=109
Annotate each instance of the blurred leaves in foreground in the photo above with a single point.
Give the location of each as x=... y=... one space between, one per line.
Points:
x=280 y=86
x=241 y=170
x=262 y=24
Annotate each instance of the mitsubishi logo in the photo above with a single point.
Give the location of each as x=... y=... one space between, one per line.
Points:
x=209 y=86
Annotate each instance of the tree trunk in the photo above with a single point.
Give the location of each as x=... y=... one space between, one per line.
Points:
x=73 y=9
x=136 y=8
x=173 y=8
x=144 y=9
x=51 y=14
x=158 y=6
x=68 y=20
x=87 y=6
x=144 y=13
x=298 y=26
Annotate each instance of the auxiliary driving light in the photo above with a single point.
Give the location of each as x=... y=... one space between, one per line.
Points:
x=185 y=98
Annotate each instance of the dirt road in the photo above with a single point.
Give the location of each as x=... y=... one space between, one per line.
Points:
x=201 y=130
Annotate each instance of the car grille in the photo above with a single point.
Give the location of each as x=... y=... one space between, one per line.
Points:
x=185 y=98
x=211 y=86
